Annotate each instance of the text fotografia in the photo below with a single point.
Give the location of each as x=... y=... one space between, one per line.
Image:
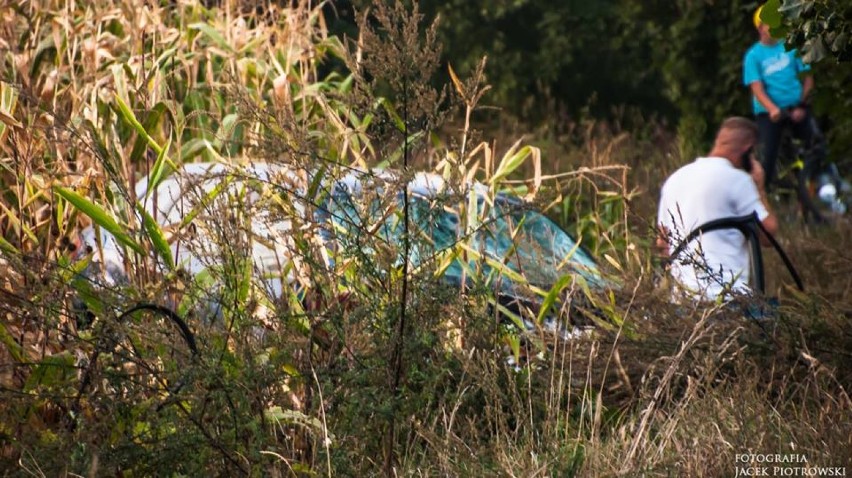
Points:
x=757 y=464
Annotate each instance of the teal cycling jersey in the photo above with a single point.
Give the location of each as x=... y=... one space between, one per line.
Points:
x=778 y=69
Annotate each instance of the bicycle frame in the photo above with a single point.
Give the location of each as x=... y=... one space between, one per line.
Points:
x=806 y=161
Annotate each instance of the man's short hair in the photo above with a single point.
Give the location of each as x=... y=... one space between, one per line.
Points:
x=739 y=123
x=736 y=127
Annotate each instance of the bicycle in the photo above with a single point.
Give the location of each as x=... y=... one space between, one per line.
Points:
x=818 y=189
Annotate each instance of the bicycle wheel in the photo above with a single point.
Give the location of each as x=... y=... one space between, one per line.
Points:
x=808 y=206
x=796 y=177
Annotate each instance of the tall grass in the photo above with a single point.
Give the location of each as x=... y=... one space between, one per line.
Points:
x=368 y=366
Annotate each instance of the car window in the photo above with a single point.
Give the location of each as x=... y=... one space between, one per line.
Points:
x=532 y=244
x=433 y=227
x=525 y=240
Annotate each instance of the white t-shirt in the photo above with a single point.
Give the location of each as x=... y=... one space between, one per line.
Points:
x=705 y=190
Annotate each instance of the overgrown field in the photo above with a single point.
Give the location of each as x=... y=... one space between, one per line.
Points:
x=370 y=366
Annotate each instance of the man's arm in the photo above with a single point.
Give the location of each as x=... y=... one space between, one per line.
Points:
x=807 y=87
x=753 y=78
x=799 y=113
x=759 y=92
x=770 y=222
x=661 y=243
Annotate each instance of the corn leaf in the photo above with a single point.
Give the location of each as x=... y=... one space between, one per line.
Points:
x=226 y=129
x=515 y=344
x=12 y=345
x=7 y=247
x=127 y=114
x=513 y=159
x=18 y=224
x=72 y=270
x=157 y=238
x=391 y=111
x=552 y=296
x=445 y=260
x=456 y=82
x=158 y=172
x=314 y=187
x=515 y=318
x=100 y=217
x=8 y=101
x=213 y=34
x=152 y=119
x=192 y=148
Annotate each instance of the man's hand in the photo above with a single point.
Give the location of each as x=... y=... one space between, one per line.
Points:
x=770 y=222
x=774 y=113
x=758 y=175
x=798 y=114
x=760 y=95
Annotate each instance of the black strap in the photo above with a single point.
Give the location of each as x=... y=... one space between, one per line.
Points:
x=748 y=225
x=787 y=262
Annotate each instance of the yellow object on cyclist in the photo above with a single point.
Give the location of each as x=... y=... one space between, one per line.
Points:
x=757 y=20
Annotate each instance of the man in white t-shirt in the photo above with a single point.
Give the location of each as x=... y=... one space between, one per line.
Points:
x=728 y=182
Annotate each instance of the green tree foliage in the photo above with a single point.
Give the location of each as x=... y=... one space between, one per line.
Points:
x=820 y=28
x=823 y=31
x=581 y=54
x=700 y=53
x=679 y=61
